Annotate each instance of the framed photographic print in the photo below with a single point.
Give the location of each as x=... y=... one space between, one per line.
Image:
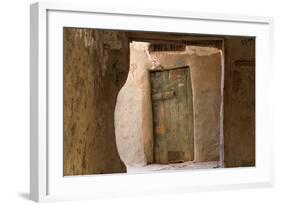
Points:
x=127 y=102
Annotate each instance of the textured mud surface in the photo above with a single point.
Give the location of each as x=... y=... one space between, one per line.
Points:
x=95 y=69
x=174 y=167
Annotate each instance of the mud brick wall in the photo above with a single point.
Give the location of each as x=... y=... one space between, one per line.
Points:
x=96 y=66
x=206 y=78
x=239 y=102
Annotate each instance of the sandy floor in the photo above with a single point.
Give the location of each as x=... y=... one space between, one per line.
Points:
x=173 y=167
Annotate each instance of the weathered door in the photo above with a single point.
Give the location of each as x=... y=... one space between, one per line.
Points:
x=172 y=115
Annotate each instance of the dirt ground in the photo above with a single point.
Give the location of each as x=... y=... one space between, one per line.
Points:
x=190 y=165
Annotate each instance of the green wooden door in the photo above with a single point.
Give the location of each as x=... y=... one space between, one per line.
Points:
x=172 y=115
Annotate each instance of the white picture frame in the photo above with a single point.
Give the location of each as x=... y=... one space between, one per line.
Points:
x=46 y=146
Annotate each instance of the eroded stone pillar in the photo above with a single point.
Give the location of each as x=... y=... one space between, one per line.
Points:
x=133 y=113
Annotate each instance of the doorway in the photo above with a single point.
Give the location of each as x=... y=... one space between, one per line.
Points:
x=177 y=88
x=172 y=110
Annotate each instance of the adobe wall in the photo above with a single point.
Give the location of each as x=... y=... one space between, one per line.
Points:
x=95 y=68
x=239 y=103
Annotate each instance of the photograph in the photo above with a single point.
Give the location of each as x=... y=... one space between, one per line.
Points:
x=148 y=102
